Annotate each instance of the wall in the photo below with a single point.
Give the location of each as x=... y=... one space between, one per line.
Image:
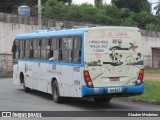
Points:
x=7 y=35
x=150 y=40
x=5 y=64
x=11 y=18
x=8 y=32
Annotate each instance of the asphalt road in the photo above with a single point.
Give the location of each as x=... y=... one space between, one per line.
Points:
x=13 y=98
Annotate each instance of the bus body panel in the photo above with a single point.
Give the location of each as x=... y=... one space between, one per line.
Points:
x=69 y=84
x=16 y=75
x=126 y=91
x=113 y=55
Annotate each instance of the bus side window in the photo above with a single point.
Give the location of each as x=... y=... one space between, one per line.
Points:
x=17 y=49
x=48 y=48
x=67 y=45
x=48 y=44
x=36 y=48
x=31 y=53
x=53 y=53
x=43 y=49
x=60 y=49
x=77 y=50
x=31 y=49
x=21 y=48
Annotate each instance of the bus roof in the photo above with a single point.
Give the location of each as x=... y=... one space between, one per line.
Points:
x=45 y=33
x=65 y=32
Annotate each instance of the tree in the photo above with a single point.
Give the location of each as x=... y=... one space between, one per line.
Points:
x=55 y=9
x=88 y=11
x=153 y=27
x=143 y=18
x=66 y=1
x=97 y=3
x=157 y=8
x=133 y=5
x=74 y=13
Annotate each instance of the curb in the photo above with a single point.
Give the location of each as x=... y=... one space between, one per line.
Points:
x=131 y=99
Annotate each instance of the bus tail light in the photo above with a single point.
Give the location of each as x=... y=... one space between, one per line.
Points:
x=87 y=79
x=140 y=77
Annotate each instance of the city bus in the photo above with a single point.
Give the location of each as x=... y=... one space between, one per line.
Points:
x=94 y=62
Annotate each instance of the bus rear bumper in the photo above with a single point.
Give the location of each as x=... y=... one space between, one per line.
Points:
x=125 y=91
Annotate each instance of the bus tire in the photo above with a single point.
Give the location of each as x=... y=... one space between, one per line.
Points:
x=26 y=89
x=100 y=100
x=55 y=92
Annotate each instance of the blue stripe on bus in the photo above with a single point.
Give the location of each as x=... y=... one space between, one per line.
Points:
x=52 y=62
x=126 y=90
x=82 y=54
x=70 y=32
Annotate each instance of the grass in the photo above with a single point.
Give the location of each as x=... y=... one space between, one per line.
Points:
x=152 y=71
x=151 y=91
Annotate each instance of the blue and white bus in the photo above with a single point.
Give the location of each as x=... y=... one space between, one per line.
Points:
x=96 y=62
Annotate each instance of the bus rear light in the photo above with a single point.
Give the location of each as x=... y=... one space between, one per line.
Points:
x=87 y=79
x=140 y=77
x=141 y=72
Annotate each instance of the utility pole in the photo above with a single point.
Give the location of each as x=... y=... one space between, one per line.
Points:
x=39 y=14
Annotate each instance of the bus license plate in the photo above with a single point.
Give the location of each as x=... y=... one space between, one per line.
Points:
x=114 y=90
x=114 y=79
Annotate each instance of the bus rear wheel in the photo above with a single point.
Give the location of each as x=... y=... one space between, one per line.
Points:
x=26 y=89
x=55 y=92
x=100 y=100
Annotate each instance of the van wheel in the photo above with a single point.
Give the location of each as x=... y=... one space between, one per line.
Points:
x=100 y=100
x=55 y=92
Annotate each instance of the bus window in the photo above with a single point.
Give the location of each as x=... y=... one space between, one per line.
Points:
x=36 y=48
x=54 y=43
x=43 y=44
x=67 y=43
x=54 y=52
x=43 y=49
x=27 y=49
x=77 y=42
x=56 y=55
x=17 y=48
x=66 y=55
x=21 y=48
x=77 y=50
x=48 y=43
x=77 y=56
x=43 y=54
x=67 y=49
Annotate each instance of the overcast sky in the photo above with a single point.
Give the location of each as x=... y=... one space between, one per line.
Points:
x=154 y=3
x=89 y=1
x=107 y=1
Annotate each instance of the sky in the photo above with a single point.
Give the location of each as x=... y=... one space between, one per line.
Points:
x=89 y=1
x=154 y=3
x=107 y=1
